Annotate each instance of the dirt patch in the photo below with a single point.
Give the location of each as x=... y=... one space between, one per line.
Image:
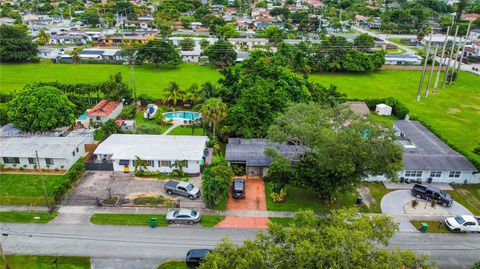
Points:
x=132 y=196
x=366 y=195
x=453 y=110
x=469 y=197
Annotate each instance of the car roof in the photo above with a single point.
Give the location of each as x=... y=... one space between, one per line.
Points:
x=238 y=184
x=468 y=218
x=184 y=211
x=183 y=184
x=197 y=253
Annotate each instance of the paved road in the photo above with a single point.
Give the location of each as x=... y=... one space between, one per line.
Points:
x=407 y=49
x=133 y=243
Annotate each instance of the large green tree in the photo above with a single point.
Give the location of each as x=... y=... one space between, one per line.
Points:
x=214 y=111
x=116 y=89
x=40 y=109
x=160 y=52
x=364 y=42
x=340 y=148
x=216 y=181
x=221 y=53
x=15 y=45
x=341 y=240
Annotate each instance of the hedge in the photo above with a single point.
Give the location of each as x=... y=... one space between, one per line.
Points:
x=72 y=176
x=398 y=108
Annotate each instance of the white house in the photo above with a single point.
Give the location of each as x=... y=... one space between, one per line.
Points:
x=403 y=59
x=105 y=110
x=383 y=110
x=53 y=152
x=427 y=158
x=159 y=151
x=190 y=56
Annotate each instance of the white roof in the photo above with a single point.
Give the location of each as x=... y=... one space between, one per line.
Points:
x=47 y=147
x=383 y=106
x=153 y=147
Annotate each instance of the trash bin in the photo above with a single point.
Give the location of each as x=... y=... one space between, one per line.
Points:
x=424 y=227
x=359 y=200
x=153 y=222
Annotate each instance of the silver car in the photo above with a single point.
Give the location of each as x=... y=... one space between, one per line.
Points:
x=185 y=216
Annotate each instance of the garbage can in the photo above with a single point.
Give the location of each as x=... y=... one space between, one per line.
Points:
x=153 y=222
x=424 y=227
x=359 y=200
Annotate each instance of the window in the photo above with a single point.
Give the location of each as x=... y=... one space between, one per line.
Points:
x=73 y=153
x=435 y=174
x=98 y=118
x=77 y=150
x=32 y=161
x=413 y=173
x=186 y=164
x=165 y=163
x=454 y=174
x=150 y=163
x=49 y=161
x=11 y=160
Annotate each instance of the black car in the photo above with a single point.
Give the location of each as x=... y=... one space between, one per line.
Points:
x=238 y=188
x=195 y=257
x=431 y=193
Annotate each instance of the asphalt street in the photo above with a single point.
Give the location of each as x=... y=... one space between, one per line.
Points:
x=134 y=243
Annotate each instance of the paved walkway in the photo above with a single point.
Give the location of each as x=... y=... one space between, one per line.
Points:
x=174 y=125
x=9 y=208
x=405 y=186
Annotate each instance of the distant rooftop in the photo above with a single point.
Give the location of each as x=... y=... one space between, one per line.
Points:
x=103 y=108
x=47 y=147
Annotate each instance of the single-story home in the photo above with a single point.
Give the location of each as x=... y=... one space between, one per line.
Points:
x=427 y=158
x=105 y=110
x=403 y=59
x=159 y=151
x=359 y=108
x=251 y=154
x=53 y=152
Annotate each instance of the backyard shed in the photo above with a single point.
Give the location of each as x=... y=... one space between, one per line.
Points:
x=383 y=110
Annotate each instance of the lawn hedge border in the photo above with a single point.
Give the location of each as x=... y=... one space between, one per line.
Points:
x=71 y=177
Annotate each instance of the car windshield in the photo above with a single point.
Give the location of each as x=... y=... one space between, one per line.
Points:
x=459 y=219
x=175 y=214
x=189 y=187
x=443 y=194
x=194 y=213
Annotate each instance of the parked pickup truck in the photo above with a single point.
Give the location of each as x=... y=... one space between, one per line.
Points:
x=182 y=188
x=463 y=223
x=431 y=193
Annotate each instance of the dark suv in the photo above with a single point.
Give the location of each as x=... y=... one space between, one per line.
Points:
x=238 y=188
x=196 y=256
x=431 y=193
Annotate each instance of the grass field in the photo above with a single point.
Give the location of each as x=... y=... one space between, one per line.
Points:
x=454 y=113
x=468 y=196
x=26 y=189
x=173 y=265
x=41 y=262
x=433 y=226
x=27 y=217
x=182 y=130
x=144 y=220
x=377 y=190
x=149 y=80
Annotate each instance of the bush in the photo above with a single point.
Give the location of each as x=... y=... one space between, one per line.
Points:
x=72 y=176
x=398 y=108
x=279 y=196
x=149 y=129
x=128 y=112
x=216 y=181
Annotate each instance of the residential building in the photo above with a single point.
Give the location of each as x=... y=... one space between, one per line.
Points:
x=475 y=34
x=427 y=158
x=102 y=55
x=159 y=151
x=250 y=153
x=190 y=56
x=53 y=152
x=359 y=108
x=403 y=59
x=105 y=110
x=7 y=21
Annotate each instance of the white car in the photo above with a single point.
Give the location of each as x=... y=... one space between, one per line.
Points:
x=463 y=223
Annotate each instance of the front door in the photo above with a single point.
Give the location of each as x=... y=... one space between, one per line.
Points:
x=126 y=168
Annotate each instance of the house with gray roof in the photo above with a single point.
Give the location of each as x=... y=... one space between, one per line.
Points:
x=429 y=159
x=251 y=154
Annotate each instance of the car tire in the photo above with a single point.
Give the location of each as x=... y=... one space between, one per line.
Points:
x=190 y=222
x=444 y=204
x=169 y=192
x=456 y=230
x=418 y=196
x=171 y=221
x=191 y=197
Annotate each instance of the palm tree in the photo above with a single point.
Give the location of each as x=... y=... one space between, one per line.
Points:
x=179 y=165
x=75 y=54
x=194 y=94
x=173 y=93
x=209 y=90
x=43 y=37
x=214 y=111
x=139 y=163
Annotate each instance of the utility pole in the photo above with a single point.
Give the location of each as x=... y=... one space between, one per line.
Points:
x=42 y=179
x=455 y=60
x=132 y=74
x=4 y=259
x=435 y=85
x=431 y=70
x=463 y=49
x=419 y=93
x=450 y=58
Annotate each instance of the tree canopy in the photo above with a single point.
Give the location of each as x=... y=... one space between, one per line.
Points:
x=40 y=109
x=158 y=52
x=221 y=53
x=343 y=239
x=15 y=45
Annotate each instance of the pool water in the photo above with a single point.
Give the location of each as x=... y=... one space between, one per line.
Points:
x=83 y=116
x=182 y=115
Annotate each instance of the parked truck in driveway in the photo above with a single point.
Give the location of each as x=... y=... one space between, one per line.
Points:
x=463 y=223
x=182 y=188
x=431 y=193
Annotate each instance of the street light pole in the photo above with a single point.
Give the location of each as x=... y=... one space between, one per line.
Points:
x=42 y=179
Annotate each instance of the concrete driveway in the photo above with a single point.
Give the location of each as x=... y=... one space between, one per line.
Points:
x=393 y=202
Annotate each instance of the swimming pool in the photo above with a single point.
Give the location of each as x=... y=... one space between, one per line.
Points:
x=184 y=115
x=83 y=116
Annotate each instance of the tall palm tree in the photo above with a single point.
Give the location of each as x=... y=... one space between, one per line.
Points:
x=209 y=90
x=75 y=54
x=214 y=111
x=194 y=94
x=179 y=165
x=43 y=37
x=173 y=93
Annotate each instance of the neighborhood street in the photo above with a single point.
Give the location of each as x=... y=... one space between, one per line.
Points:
x=122 y=244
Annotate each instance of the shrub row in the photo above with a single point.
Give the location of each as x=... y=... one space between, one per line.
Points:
x=72 y=176
x=398 y=108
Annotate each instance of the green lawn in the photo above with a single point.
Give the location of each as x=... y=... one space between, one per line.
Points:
x=173 y=265
x=149 y=80
x=433 y=226
x=298 y=198
x=29 y=217
x=183 y=130
x=377 y=190
x=149 y=126
x=453 y=113
x=23 y=189
x=144 y=219
x=41 y=262
x=468 y=196
x=281 y=221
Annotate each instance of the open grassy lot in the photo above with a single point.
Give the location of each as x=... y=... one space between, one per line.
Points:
x=144 y=220
x=453 y=113
x=433 y=226
x=183 y=130
x=173 y=265
x=149 y=80
x=298 y=198
x=377 y=190
x=23 y=189
x=34 y=262
x=468 y=196
x=27 y=217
